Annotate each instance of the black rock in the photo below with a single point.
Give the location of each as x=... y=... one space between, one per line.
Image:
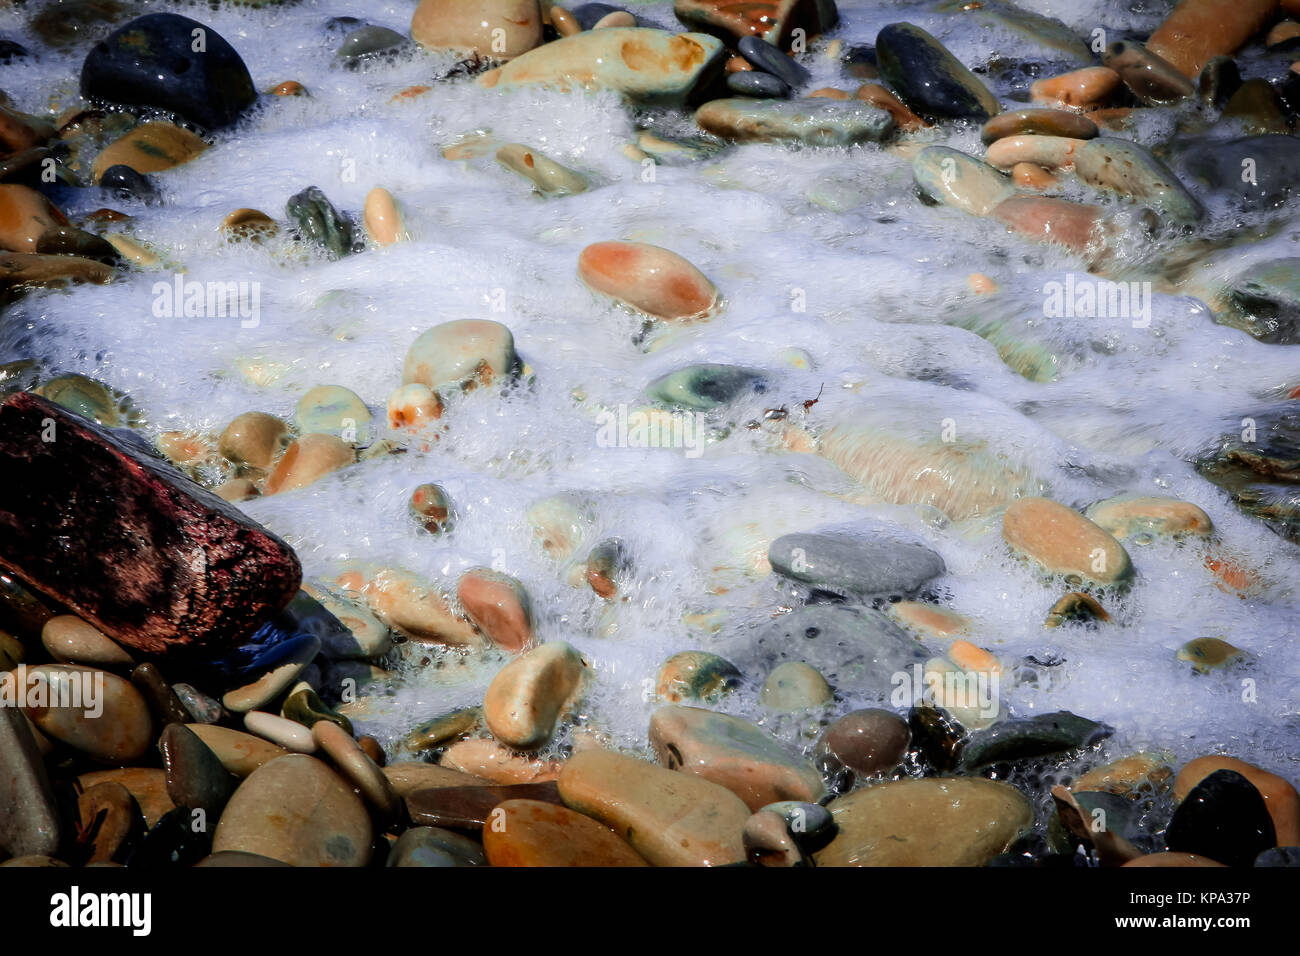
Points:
x=1038 y=736
x=152 y=62
x=769 y=59
x=180 y=838
x=1225 y=819
x=1262 y=171
x=125 y=183
x=319 y=222
x=1218 y=80
x=1279 y=856
x=11 y=50
x=759 y=85
x=937 y=738
x=932 y=81
x=859 y=63
x=371 y=43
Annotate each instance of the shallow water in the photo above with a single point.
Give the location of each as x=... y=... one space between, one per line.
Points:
x=879 y=277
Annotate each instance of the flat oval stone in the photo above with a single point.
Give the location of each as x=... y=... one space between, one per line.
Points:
x=413 y=406
x=1206 y=654
x=1088 y=87
x=527 y=696
x=333 y=410
x=240 y=753
x=929 y=620
x=532 y=833
x=409 y=776
x=278 y=670
x=669 y=818
x=201 y=708
x=773 y=20
x=1280 y=796
x=255 y=439
x=1197 y=30
x=759 y=85
x=548 y=176
x=695 y=675
x=770 y=59
x=706 y=386
x=1045 y=219
x=938 y=821
x=497 y=29
x=852 y=565
x=1076 y=607
x=864 y=742
x=71 y=640
x=150 y=148
x=1050 y=152
x=346 y=629
x=795 y=686
x=358 y=768
x=499 y=606
x=1043 y=121
x=382 y=218
x=930 y=79
x=440 y=730
x=493 y=761
x=196 y=777
x=1142 y=518
x=307 y=460
x=468 y=808
x=1138 y=773
x=1152 y=78
x=431 y=846
x=953 y=178
x=733 y=753
x=465 y=351
x=1223 y=818
x=647 y=278
x=1131 y=171
x=643 y=64
x=281 y=731
x=92 y=711
x=30 y=822
x=808 y=121
x=1030 y=737
x=296 y=810
x=1062 y=541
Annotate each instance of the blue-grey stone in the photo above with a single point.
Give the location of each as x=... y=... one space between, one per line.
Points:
x=769 y=59
x=756 y=84
x=1260 y=171
x=705 y=387
x=927 y=77
x=859 y=566
x=1024 y=739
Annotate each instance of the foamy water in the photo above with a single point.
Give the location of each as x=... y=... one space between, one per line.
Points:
x=880 y=277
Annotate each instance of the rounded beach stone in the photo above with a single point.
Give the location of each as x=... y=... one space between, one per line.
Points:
x=255 y=439
x=928 y=77
x=281 y=731
x=534 y=833
x=1152 y=78
x=284 y=663
x=499 y=606
x=459 y=353
x=1051 y=152
x=1062 y=541
x=647 y=278
x=147 y=785
x=1198 y=30
x=795 y=686
x=1280 y=796
x=71 y=640
x=413 y=406
x=358 y=768
x=150 y=148
x=308 y=459
x=865 y=742
x=669 y=818
x=1038 y=121
x=383 y=218
x=496 y=29
x=434 y=847
x=431 y=507
x=493 y=761
x=296 y=810
x=1142 y=519
x=696 y=675
x=951 y=177
x=196 y=778
x=548 y=176
x=240 y=753
x=527 y=696
x=110 y=818
x=92 y=711
x=1088 y=87
x=30 y=821
x=333 y=410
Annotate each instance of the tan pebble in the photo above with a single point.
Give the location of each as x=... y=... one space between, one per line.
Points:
x=493 y=761
x=981 y=284
x=255 y=439
x=1196 y=31
x=737 y=64
x=1137 y=772
x=281 y=731
x=71 y=640
x=1077 y=226
x=383 y=219
x=1088 y=87
x=1062 y=541
x=409 y=776
x=648 y=278
x=150 y=148
x=413 y=406
x=830 y=93
x=1142 y=518
x=358 y=768
x=527 y=697
x=289 y=88
x=249 y=224
x=308 y=459
x=499 y=607
x=1054 y=152
x=410 y=605
x=618 y=18
x=133 y=251
x=240 y=753
x=497 y=29
x=1032 y=176
x=877 y=95
x=566 y=25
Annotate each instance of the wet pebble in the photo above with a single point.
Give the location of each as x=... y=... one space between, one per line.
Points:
x=527 y=697
x=533 y=833
x=929 y=78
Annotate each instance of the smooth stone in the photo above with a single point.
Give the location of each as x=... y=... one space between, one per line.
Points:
x=1264 y=301
x=496 y=29
x=149 y=148
x=359 y=769
x=70 y=640
x=410 y=606
x=345 y=629
x=1223 y=818
x=1275 y=161
x=255 y=439
x=333 y=410
x=649 y=279
x=1038 y=121
x=533 y=833
x=1279 y=856
x=29 y=269
x=125 y=183
x=963 y=821
x=1153 y=79
x=1197 y=30
x=669 y=818
x=319 y=223
x=152 y=61
x=431 y=507
x=307 y=460
x=370 y=42
x=950 y=177
x=11 y=652
x=758 y=85
x=109 y=823
x=201 y=708
x=1075 y=607
x=1059 y=540
x=1218 y=80
x=1030 y=737
x=1060 y=42
x=196 y=777
x=1280 y=796
x=527 y=696
x=1073 y=225
x=733 y=753
x=771 y=20
x=855 y=565
x=276 y=673
x=1255 y=107
x=414 y=407
x=30 y=822
x=1143 y=518
x=770 y=59
x=281 y=731
x=237 y=858
x=929 y=78
x=1082 y=89
x=930 y=621
x=696 y=675
x=295 y=809
x=499 y=606
x=707 y=386
x=304 y=706
x=558 y=524
x=607 y=563
x=30 y=223
x=1033 y=176
x=589 y=15
x=444 y=729
x=769 y=843
x=1051 y=152
x=147 y=785
x=669 y=151
x=410 y=776
x=645 y=65
x=794 y=686
x=431 y=846
x=863 y=742
x=547 y=176
x=250 y=224
x=1140 y=773
x=120 y=732
x=469 y=808
x=239 y=753
x=1128 y=169
x=461 y=353
x=383 y=218
x=1206 y=654
x=809 y=121
x=876 y=95
x=86 y=397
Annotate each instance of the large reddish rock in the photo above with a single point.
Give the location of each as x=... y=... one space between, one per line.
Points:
x=132 y=546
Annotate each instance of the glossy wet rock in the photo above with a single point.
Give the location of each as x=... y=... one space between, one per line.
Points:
x=281 y=731
x=771 y=60
x=460 y=353
x=858 y=565
x=499 y=606
x=930 y=79
x=410 y=606
x=333 y=410
x=1144 y=518
x=527 y=696
x=531 y=833
x=196 y=777
x=758 y=85
x=649 y=279
x=1153 y=79
x=695 y=675
x=1134 y=173
x=30 y=824
x=1223 y=818
x=1207 y=654
x=358 y=768
x=296 y=810
x=109 y=823
x=434 y=847
x=669 y=818
x=147 y=785
x=1197 y=30
x=319 y=222
x=473 y=28
x=1059 y=540
x=255 y=439
x=953 y=178
x=112 y=725
x=272 y=674
x=470 y=807
x=1076 y=607
x=1050 y=152
x=346 y=630
x=643 y=64
x=547 y=176
x=809 y=121
x=71 y=640
x=944 y=821
x=383 y=218
x=863 y=742
x=1137 y=773
x=1264 y=300
x=1089 y=87
x=773 y=20
x=707 y=386
x=1077 y=226
x=1029 y=737
x=307 y=460
x=150 y=148
x=794 y=686
x=30 y=223
x=1280 y=796
x=409 y=776
x=239 y=753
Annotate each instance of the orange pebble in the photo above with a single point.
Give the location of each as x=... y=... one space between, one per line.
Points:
x=290 y=88
x=1080 y=88
x=981 y=284
x=1032 y=176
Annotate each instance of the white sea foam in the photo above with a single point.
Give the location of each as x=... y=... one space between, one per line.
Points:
x=879 y=279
